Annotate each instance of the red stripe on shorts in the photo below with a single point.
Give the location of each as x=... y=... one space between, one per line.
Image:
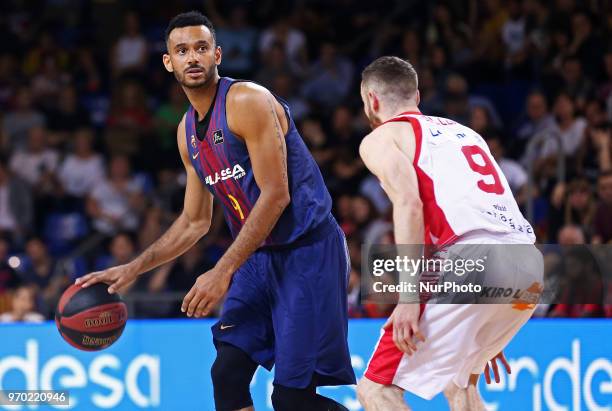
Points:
x=386 y=358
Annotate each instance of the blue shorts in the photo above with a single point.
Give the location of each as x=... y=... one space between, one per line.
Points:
x=287 y=307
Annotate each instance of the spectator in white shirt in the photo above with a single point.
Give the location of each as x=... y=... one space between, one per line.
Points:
x=116 y=202
x=568 y=126
x=84 y=168
x=130 y=51
x=514 y=35
x=37 y=162
x=16 y=205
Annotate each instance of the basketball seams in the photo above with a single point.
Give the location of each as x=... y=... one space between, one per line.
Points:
x=67 y=296
x=87 y=298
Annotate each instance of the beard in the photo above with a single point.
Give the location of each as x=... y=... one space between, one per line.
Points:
x=205 y=79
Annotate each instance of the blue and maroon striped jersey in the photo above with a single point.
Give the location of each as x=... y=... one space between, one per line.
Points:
x=223 y=165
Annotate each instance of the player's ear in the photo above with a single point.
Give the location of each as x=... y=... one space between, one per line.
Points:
x=374 y=101
x=417 y=97
x=218 y=55
x=167 y=62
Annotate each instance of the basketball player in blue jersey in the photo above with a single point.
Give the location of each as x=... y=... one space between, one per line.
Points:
x=285 y=275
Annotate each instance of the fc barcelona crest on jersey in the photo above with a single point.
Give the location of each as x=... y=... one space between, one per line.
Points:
x=218 y=137
x=193 y=142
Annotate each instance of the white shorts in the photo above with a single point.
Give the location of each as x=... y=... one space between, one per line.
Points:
x=460 y=338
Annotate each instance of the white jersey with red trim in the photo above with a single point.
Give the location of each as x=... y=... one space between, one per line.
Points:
x=462 y=188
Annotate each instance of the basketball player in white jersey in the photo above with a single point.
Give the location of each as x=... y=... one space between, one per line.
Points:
x=447 y=191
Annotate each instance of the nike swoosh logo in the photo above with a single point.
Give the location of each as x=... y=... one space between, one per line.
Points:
x=194 y=156
x=223 y=327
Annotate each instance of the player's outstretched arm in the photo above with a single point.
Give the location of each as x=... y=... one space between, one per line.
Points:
x=189 y=227
x=252 y=115
x=388 y=153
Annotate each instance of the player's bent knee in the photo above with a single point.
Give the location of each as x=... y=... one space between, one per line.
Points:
x=303 y=399
x=285 y=399
x=296 y=399
x=231 y=374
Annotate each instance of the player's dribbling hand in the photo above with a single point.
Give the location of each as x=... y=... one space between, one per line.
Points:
x=118 y=278
x=405 y=323
x=493 y=362
x=207 y=291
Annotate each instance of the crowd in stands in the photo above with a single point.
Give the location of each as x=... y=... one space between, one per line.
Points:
x=90 y=173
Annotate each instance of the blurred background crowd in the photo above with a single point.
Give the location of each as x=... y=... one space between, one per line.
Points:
x=90 y=173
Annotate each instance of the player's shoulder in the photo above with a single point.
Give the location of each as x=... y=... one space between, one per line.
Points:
x=248 y=106
x=388 y=135
x=374 y=140
x=247 y=95
x=389 y=131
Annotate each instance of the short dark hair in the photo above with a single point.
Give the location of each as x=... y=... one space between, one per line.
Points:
x=190 y=18
x=396 y=77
